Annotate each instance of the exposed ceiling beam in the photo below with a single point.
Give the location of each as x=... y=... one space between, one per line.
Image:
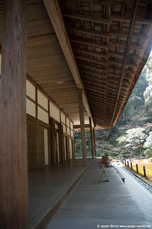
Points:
x=101 y=2
x=78 y=126
x=95 y=74
x=125 y=34
x=88 y=18
x=102 y=97
x=110 y=82
x=119 y=54
x=92 y=52
x=92 y=60
x=89 y=31
x=128 y=19
x=123 y=45
x=110 y=53
x=94 y=68
x=54 y=12
x=108 y=73
x=113 y=87
x=109 y=68
x=92 y=43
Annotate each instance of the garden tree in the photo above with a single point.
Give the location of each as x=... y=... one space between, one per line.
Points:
x=78 y=150
x=133 y=140
x=148 y=91
x=148 y=144
x=102 y=147
x=148 y=153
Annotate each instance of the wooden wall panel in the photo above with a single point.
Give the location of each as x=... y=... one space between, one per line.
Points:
x=62 y=117
x=64 y=128
x=67 y=122
x=42 y=100
x=30 y=90
x=31 y=144
x=43 y=115
x=40 y=139
x=54 y=112
x=68 y=131
x=30 y=108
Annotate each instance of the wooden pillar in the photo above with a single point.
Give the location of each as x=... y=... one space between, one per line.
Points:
x=61 y=143
x=73 y=149
x=67 y=148
x=53 y=146
x=81 y=113
x=49 y=134
x=13 y=134
x=63 y=148
x=91 y=137
x=94 y=137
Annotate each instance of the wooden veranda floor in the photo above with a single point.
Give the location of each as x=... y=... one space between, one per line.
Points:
x=92 y=204
x=49 y=187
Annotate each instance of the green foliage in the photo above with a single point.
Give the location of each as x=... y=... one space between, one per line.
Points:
x=78 y=149
x=77 y=135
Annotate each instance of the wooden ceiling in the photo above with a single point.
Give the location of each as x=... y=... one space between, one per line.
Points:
x=46 y=63
x=111 y=42
x=98 y=45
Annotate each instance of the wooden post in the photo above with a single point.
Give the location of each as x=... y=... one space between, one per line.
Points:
x=94 y=137
x=73 y=148
x=13 y=134
x=144 y=170
x=81 y=113
x=68 y=149
x=137 y=168
x=53 y=146
x=60 y=142
x=49 y=134
x=91 y=137
x=131 y=165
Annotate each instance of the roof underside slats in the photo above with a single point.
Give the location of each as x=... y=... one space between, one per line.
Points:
x=109 y=41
